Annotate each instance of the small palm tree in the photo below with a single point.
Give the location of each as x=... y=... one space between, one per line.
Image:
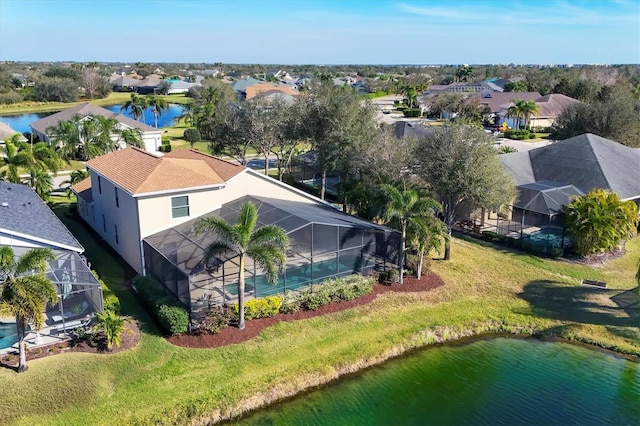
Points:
x=112 y=325
x=76 y=176
x=265 y=245
x=405 y=206
x=13 y=158
x=66 y=137
x=25 y=291
x=40 y=181
x=133 y=137
x=137 y=104
x=157 y=105
x=425 y=234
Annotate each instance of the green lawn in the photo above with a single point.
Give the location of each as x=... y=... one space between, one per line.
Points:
x=487 y=289
x=114 y=98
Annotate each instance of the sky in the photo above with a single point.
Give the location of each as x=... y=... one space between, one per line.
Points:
x=322 y=32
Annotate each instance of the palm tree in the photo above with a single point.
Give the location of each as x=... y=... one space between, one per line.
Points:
x=76 y=176
x=426 y=233
x=188 y=114
x=405 y=206
x=514 y=112
x=66 y=137
x=25 y=291
x=133 y=137
x=528 y=109
x=137 y=104
x=112 y=325
x=158 y=105
x=14 y=158
x=265 y=246
x=40 y=181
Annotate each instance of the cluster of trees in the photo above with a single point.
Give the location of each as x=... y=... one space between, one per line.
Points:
x=523 y=110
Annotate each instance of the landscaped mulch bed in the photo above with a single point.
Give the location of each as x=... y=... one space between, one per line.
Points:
x=231 y=335
x=129 y=338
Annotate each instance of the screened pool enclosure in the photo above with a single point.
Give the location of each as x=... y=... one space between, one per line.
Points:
x=79 y=292
x=324 y=243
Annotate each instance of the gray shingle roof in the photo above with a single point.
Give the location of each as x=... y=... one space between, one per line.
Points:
x=241 y=85
x=545 y=197
x=84 y=110
x=404 y=128
x=23 y=213
x=586 y=161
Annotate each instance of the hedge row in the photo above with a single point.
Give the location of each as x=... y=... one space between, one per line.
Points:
x=259 y=308
x=170 y=315
x=110 y=301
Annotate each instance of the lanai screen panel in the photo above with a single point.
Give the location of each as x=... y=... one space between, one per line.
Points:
x=324 y=243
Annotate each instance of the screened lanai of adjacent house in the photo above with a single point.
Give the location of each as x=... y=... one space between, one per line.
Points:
x=324 y=243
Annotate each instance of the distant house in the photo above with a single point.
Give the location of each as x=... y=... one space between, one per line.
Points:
x=586 y=161
x=179 y=86
x=268 y=88
x=402 y=129
x=148 y=85
x=240 y=86
x=145 y=206
x=26 y=222
x=498 y=101
x=123 y=83
x=150 y=136
x=551 y=106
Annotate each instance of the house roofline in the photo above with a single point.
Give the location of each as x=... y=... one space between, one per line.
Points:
x=287 y=186
x=41 y=240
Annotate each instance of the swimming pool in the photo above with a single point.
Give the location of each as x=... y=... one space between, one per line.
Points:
x=549 y=237
x=8 y=335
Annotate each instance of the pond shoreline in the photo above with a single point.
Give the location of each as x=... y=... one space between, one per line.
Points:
x=312 y=382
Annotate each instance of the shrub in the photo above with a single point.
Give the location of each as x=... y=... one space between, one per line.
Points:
x=532 y=135
x=154 y=296
x=110 y=301
x=216 y=319
x=11 y=97
x=265 y=307
x=291 y=303
x=412 y=112
x=517 y=134
x=490 y=235
x=555 y=252
x=173 y=319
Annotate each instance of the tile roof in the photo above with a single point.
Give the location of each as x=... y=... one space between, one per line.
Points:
x=586 y=161
x=256 y=89
x=84 y=110
x=83 y=189
x=140 y=172
x=22 y=212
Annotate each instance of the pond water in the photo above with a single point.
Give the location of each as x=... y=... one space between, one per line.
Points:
x=499 y=381
x=20 y=122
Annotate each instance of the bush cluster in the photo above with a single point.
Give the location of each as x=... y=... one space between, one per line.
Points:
x=155 y=298
x=388 y=276
x=259 y=308
x=412 y=112
x=166 y=145
x=519 y=134
x=331 y=290
x=216 y=319
x=110 y=301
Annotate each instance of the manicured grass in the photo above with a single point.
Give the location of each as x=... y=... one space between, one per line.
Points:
x=487 y=289
x=113 y=99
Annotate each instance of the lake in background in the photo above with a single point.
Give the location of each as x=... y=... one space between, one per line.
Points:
x=499 y=382
x=20 y=122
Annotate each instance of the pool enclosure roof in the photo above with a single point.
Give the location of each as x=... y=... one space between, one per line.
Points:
x=185 y=249
x=545 y=197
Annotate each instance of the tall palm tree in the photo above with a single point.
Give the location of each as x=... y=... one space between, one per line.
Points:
x=527 y=110
x=65 y=136
x=13 y=158
x=514 y=112
x=157 y=105
x=137 y=104
x=25 y=291
x=265 y=246
x=40 y=181
x=406 y=206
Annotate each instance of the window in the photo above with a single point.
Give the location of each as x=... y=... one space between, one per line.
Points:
x=104 y=224
x=115 y=227
x=99 y=185
x=179 y=206
x=117 y=200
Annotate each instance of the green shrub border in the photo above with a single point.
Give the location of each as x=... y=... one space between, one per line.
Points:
x=156 y=299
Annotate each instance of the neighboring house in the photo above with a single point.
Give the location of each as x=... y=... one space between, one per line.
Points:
x=150 y=136
x=179 y=86
x=144 y=207
x=6 y=132
x=240 y=86
x=586 y=161
x=268 y=88
x=497 y=102
x=149 y=85
x=123 y=83
x=403 y=129
x=26 y=222
x=551 y=106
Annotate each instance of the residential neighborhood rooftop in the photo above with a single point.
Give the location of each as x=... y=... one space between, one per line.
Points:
x=180 y=169
x=23 y=214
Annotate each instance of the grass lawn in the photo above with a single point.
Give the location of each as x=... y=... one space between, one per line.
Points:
x=487 y=289
x=114 y=98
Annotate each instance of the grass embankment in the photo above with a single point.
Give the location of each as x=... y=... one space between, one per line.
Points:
x=487 y=290
x=114 y=98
